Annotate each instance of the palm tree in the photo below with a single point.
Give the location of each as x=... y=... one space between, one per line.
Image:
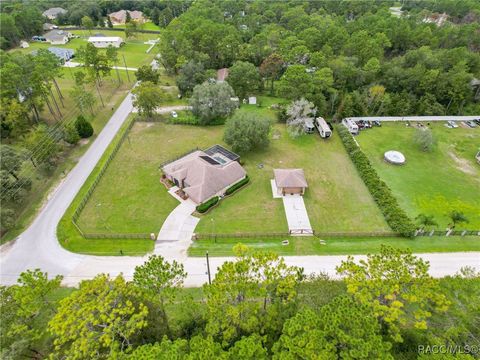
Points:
x=426 y=220
x=458 y=217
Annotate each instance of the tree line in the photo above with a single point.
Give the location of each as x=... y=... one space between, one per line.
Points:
x=257 y=307
x=348 y=58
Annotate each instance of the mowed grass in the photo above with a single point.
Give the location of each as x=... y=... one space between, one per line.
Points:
x=336 y=246
x=130 y=198
x=434 y=183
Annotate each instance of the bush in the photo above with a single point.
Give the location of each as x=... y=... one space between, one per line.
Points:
x=396 y=218
x=8 y=218
x=247 y=131
x=208 y=204
x=237 y=185
x=84 y=128
x=186 y=118
x=70 y=134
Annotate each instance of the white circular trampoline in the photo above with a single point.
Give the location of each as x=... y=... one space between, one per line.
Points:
x=394 y=157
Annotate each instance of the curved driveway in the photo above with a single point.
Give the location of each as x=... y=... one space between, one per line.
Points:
x=37 y=247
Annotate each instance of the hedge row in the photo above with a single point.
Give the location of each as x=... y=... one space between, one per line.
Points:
x=237 y=185
x=207 y=205
x=396 y=218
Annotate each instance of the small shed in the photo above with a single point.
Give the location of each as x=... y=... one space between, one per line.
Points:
x=24 y=44
x=252 y=100
x=290 y=181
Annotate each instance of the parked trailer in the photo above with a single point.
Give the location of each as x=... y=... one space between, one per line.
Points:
x=323 y=128
x=350 y=125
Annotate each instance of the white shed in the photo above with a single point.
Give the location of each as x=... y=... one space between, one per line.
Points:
x=105 y=41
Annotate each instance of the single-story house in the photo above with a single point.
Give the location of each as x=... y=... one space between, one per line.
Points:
x=204 y=174
x=62 y=53
x=53 y=13
x=105 y=41
x=290 y=181
x=120 y=17
x=57 y=37
x=48 y=27
x=222 y=74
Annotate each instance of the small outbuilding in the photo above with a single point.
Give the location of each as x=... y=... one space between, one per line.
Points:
x=105 y=41
x=290 y=181
x=222 y=74
x=24 y=44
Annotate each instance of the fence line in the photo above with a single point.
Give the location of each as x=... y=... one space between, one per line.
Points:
x=92 y=188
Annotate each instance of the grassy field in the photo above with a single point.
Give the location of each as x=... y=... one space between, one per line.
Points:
x=434 y=183
x=336 y=246
x=140 y=203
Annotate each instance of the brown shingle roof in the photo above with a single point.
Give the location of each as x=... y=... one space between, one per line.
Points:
x=203 y=179
x=290 y=178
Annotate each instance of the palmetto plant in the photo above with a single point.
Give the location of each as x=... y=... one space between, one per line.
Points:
x=426 y=220
x=458 y=217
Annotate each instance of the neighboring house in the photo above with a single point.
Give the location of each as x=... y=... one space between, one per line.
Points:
x=57 y=37
x=105 y=41
x=48 y=27
x=436 y=18
x=290 y=181
x=120 y=17
x=204 y=174
x=222 y=74
x=53 y=13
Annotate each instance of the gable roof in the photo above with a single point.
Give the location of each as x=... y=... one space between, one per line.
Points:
x=121 y=15
x=104 y=39
x=222 y=74
x=203 y=179
x=290 y=178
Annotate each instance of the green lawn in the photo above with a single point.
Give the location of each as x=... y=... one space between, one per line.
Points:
x=434 y=182
x=336 y=246
x=337 y=200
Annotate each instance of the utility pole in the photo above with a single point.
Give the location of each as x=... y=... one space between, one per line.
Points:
x=128 y=76
x=208 y=269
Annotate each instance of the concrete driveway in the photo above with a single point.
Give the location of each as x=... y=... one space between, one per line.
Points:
x=296 y=213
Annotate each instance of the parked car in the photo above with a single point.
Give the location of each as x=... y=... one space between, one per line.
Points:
x=452 y=124
x=471 y=124
x=448 y=125
x=376 y=123
x=477 y=121
x=368 y=124
x=309 y=127
x=360 y=124
x=174 y=114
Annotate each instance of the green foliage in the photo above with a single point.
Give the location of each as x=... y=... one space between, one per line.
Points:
x=203 y=207
x=7 y=219
x=100 y=320
x=191 y=74
x=237 y=185
x=423 y=138
x=146 y=73
x=244 y=79
x=458 y=217
x=71 y=135
x=24 y=308
x=253 y=294
x=394 y=215
x=396 y=286
x=342 y=330
x=84 y=128
x=246 y=131
x=212 y=101
x=148 y=97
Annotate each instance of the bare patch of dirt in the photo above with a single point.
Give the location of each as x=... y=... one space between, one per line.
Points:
x=462 y=164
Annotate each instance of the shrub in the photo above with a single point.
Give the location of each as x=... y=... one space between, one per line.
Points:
x=237 y=185
x=71 y=134
x=247 y=131
x=203 y=207
x=396 y=218
x=84 y=128
x=423 y=138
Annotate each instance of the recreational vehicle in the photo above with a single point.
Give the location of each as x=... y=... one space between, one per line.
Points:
x=323 y=127
x=350 y=125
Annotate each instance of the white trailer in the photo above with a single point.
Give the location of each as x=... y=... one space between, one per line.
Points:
x=323 y=128
x=350 y=125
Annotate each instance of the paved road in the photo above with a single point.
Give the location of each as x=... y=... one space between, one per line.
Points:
x=38 y=247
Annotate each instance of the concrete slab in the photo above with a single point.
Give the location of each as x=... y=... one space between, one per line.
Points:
x=275 y=190
x=297 y=216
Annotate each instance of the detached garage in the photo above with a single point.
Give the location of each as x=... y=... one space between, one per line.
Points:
x=105 y=41
x=290 y=181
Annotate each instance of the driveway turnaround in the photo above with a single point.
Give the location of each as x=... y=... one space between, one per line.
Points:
x=38 y=247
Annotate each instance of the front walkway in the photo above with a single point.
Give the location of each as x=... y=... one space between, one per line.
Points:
x=295 y=211
x=176 y=233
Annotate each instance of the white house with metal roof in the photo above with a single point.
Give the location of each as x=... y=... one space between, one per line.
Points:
x=105 y=41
